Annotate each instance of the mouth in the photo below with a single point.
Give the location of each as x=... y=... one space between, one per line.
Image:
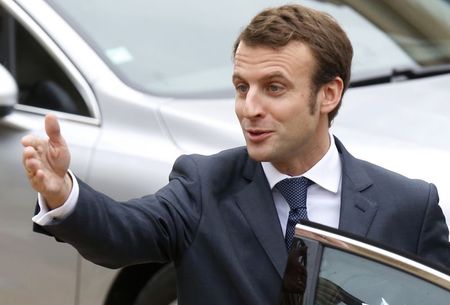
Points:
x=257 y=135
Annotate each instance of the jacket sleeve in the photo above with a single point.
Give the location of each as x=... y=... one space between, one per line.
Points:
x=153 y=228
x=434 y=236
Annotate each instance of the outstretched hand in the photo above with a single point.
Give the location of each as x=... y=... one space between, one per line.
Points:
x=46 y=162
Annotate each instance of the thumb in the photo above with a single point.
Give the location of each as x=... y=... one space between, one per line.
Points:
x=53 y=130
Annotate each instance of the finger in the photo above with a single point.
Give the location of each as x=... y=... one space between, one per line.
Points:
x=39 y=176
x=53 y=130
x=28 y=153
x=26 y=141
x=37 y=180
x=32 y=165
x=30 y=173
x=31 y=140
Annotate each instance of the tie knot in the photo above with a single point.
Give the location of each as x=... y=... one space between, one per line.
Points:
x=294 y=190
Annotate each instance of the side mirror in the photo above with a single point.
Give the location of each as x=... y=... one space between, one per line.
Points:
x=8 y=92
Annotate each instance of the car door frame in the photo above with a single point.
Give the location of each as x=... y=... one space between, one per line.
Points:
x=314 y=238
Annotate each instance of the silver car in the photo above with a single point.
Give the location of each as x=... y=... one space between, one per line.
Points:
x=137 y=83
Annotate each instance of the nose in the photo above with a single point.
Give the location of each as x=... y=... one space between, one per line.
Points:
x=252 y=106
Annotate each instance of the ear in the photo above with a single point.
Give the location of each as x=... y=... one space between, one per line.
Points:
x=330 y=95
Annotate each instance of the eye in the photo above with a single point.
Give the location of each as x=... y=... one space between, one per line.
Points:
x=275 y=88
x=241 y=88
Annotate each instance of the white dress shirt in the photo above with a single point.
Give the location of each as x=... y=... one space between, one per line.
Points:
x=323 y=201
x=323 y=198
x=45 y=216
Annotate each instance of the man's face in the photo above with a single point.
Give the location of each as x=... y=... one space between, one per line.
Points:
x=278 y=112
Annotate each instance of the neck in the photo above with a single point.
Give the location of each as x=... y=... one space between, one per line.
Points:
x=306 y=159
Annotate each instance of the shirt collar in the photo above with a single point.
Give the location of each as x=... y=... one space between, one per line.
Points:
x=325 y=173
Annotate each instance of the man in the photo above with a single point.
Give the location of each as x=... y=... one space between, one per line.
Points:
x=223 y=219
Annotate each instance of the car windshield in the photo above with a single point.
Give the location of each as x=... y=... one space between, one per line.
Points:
x=183 y=48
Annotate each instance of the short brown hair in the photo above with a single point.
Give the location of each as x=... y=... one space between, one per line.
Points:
x=276 y=27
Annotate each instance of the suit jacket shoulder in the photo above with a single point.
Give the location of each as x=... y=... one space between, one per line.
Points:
x=392 y=209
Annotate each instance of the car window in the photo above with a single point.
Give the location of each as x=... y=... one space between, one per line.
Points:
x=350 y=279
x=184 y=48
x=42 y=82
x=325 y=267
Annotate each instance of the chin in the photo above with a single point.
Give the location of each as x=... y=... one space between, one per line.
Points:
x=258 y=154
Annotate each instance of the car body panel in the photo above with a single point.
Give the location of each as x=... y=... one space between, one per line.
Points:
x=26 y=258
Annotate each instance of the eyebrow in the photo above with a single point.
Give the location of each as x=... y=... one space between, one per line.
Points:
x=275 y=74
x=235 y=77
x=272 y=75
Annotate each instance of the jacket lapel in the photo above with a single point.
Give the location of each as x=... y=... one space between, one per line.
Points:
x=256 y=203
x=357 y=208
x=257 y=206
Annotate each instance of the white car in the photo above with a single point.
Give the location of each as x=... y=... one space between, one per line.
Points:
x=137 y=83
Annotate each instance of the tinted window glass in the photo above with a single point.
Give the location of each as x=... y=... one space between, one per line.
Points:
x=42 y=83
x=349 y=279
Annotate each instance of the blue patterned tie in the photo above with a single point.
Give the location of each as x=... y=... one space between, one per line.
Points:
x=294 y=191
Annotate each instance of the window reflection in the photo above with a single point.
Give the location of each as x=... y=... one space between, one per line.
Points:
x=351 y=279
x=329 y=293
x=295 y=277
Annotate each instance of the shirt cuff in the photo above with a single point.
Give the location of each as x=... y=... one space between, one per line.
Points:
x=44 y=217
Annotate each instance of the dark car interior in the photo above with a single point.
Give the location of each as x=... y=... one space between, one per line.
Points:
x=42 y=82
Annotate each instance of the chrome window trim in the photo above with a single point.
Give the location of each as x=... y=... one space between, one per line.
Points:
x=59 y=114
x=65 y=63
x=375 y=253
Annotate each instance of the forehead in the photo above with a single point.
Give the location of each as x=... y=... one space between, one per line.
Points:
x=291 y=61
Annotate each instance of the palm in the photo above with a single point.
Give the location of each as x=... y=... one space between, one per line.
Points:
x=47 y=162
x=57 y=154
x=56 y=159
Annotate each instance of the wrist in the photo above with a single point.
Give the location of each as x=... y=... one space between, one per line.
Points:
x=60 y=197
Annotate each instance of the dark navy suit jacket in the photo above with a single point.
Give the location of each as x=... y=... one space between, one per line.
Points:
x=216 y=220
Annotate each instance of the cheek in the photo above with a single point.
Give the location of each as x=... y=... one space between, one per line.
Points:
x=286 y=113
x=295 y=120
